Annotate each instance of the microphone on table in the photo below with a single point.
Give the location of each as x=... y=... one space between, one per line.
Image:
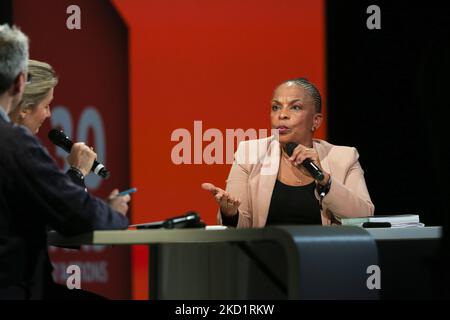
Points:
x=309 y=165
x=189 y=220
x=59 y=138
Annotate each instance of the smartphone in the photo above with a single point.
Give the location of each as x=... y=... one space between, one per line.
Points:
x=125 y=192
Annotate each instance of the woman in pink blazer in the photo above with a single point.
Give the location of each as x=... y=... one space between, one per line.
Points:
x=266 y=186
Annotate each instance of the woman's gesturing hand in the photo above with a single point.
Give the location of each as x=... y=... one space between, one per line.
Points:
x=228 y=204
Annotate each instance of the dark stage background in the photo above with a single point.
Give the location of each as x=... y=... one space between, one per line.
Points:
x=388 y=96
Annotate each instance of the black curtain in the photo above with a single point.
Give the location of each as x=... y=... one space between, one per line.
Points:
x=6 y=11
x=387 y=96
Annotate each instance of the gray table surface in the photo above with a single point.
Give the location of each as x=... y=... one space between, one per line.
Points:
x=149 y=236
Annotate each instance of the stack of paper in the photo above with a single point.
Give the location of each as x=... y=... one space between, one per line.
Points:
x=396 y=221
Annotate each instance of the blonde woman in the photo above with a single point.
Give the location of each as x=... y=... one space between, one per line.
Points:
x=34 y=107
x=32 y=111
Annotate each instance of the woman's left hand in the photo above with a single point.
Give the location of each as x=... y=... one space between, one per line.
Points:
x=118 y=203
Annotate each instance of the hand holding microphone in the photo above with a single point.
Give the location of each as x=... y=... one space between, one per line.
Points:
x=305 y=158
x=81 y=156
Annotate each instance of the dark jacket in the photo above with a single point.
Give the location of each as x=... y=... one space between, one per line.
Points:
x=34 y=196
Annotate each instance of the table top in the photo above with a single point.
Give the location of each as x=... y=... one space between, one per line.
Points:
x=279 y=233
x=410 y=233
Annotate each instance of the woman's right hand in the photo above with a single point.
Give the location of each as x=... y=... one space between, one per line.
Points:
x=81 y=157
x=228 y=205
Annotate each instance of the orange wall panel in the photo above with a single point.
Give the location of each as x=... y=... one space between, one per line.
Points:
x=211 y=61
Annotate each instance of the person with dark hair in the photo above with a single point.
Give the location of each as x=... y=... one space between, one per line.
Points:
x=275 y=188
x=34 y=194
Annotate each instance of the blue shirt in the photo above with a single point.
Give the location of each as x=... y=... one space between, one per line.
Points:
x=3 y=115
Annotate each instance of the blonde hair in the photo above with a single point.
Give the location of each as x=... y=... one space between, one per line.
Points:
x=43 y=79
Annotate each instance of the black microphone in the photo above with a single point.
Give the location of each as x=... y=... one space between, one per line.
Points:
x=60 y=139
x=190 y=220
x=307 y=163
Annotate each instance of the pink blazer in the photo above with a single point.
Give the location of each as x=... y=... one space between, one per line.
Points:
x=255 y=170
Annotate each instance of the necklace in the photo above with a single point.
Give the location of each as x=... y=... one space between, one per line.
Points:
x=293 y=170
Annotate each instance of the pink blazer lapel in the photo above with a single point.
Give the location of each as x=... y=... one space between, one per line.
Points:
x=267 y=178
x=323 y=155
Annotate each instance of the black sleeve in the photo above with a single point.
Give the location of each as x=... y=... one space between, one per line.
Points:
x=230 y=221
x=76 y=178
x=59 y=202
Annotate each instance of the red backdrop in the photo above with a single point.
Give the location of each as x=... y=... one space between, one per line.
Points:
x=216 y=62
x=211 y=61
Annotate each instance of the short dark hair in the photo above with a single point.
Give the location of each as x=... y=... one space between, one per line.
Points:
x=312 y=90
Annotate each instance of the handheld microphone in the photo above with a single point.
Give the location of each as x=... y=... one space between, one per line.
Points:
x=59 y=138
x=309 y=165
x=189 y=220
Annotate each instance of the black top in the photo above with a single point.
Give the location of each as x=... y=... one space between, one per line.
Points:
x=293 y=205
x=34 y=195
x=289 y=205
